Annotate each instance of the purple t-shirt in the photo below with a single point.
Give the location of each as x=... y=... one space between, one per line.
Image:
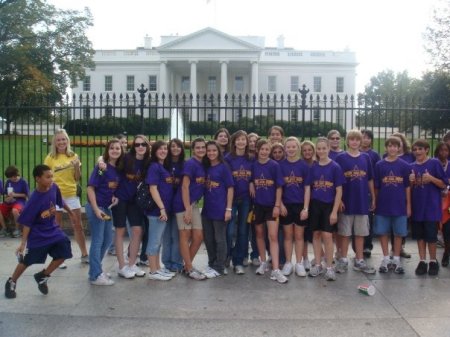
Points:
x=39 y=215
x=1 y=186
x=374 y=157
x=294 y=175
x=195 y=171
x=426 y=197
x=333 y=154
x=407 y=157
x=391 y=181
x=218 y=180
x=447 y=172
x=267 y=178
x=159 y=176
x=241 y=170
x=357 y=172
x=105 y=184
x=20 y=186
x=130 y=179
x=324 y=179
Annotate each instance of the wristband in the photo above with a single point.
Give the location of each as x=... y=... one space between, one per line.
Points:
x=305 y=209
x=228 y=209
x=162 y=209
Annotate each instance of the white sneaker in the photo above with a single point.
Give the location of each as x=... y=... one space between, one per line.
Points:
x=126 y=272
x=306 y=264
x=278 y=276
x=300 y=270
x=103 y=280
x=256 y=262
x=287 y=269
x=138 y=272
x=167 y=272
x=211 y=272
x=157 y=276
x=62 y=266
x=239 y=270
x=263 y=267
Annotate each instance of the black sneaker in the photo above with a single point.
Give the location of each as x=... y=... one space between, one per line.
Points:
x=444 y=261
x=422 y=268
x=10 y=289
x=434 y=268
x=41 y=280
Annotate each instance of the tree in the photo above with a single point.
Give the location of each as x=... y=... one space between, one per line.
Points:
x=437 y=37
x=386 y=98
x=43 y=50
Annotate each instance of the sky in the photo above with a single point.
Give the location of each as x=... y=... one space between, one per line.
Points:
x=384 y=34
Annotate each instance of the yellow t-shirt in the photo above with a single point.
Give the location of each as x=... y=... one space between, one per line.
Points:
x=63 y=173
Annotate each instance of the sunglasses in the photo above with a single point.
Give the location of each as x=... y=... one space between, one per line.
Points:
x=335 y=138
x=140 y=145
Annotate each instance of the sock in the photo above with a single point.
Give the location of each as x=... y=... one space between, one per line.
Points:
x=344 y=259
x=387 y=257
x=397 y=258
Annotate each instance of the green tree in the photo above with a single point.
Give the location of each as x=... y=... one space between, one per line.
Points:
x=437 y=37
x=43 y=50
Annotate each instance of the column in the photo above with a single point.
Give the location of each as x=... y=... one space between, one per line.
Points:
x=193 y=78
x=223 y=79
x=163 y=79
x=255 y=78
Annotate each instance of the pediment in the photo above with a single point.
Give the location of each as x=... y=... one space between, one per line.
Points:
x=208 y=39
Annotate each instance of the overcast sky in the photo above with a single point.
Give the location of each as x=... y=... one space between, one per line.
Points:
x=385 y=34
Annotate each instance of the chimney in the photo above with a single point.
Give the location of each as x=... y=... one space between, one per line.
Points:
x=280 y=42
x=147 y=42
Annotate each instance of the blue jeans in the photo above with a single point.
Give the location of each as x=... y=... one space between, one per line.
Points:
x=101 y=238
x=238 y=226
x=170 y=256
x=156 y=229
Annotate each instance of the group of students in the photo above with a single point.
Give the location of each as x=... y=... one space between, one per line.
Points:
x=315 y=192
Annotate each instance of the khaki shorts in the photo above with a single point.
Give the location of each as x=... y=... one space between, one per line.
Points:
x=359 y=224
x=196 y=222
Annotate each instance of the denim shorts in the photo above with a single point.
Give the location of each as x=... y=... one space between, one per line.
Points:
x=58 y=250
x=384 y=225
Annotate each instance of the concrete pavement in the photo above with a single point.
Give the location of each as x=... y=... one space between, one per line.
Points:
x=233 y=305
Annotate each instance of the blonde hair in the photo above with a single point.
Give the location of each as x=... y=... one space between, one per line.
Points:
x=296 y=141
x=54 y=150
x=353 y=134
x=310 y=143
x=406 y=146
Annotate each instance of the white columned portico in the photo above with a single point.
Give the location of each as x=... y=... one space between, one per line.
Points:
x=193 y=78
x=163 y=78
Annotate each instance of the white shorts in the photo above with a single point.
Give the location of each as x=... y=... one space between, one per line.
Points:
x=71 y=202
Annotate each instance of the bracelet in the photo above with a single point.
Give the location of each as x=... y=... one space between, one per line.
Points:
x=162 y=209
x=305 y=209
x=228 y=209
x=276 y=206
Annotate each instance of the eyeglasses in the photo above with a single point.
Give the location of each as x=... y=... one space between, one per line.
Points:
x=335 y=138
x=140 y=144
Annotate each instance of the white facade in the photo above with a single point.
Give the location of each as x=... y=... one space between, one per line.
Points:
x=212 y=62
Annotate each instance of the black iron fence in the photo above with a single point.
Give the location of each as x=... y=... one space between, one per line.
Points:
x=26 y=128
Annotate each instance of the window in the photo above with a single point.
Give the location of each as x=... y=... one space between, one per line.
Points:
x=87 y=83
x=294 y=83
x=130 y=83
x=212 y=84
x=339 y=84
x=340 y=116
x=152 y=83
x=239 y=84
x=131 y=111
x=272 y=83
x=108 y=83
x=108 y=111
x=317 y=84
x=185 y=84
x=86 y=112
x=316 y=114
x=294 y=115
x=212 y=117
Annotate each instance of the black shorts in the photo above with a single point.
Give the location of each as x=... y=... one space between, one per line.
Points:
x=58 y=250
x=262 y=214
x=319 y=216
x=127 y=210
x=425 y=230
x=293 y=215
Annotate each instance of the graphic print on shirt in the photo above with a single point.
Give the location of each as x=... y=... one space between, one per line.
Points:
x=51 y=211
x=292 y=180
x=355 y=173
x=392 y=180
x=263 y=183
x=242 y=174
x=322 y=184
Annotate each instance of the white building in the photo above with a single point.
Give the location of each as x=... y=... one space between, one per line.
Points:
x=212 y=62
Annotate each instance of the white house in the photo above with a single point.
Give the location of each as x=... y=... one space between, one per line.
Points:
x=212 y=62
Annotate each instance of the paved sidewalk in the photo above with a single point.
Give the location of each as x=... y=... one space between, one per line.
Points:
x=233 y=305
